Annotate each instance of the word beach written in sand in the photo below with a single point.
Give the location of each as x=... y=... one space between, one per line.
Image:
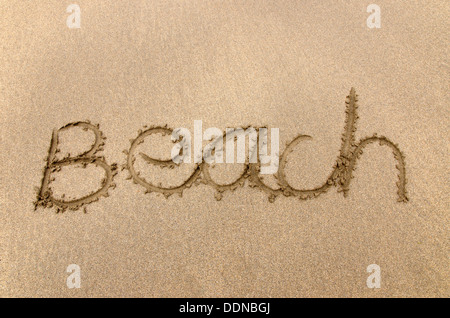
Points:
x=340 y=176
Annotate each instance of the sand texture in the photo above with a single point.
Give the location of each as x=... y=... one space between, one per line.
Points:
x=86 y=119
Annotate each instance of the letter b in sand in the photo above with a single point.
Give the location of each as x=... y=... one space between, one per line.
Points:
x=45 y=196
x=374 y=279
x=74 y=20
x=74 y=279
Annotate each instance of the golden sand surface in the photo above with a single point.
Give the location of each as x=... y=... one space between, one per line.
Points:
x=134 y=66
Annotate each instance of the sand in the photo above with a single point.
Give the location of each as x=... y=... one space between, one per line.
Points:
x=362 y=180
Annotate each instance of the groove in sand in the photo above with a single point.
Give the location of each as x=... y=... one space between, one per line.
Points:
x=340 y=175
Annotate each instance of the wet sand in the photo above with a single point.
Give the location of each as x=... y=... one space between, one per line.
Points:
x=283 y=64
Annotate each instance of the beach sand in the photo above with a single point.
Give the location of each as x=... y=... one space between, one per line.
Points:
x=284 y=64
